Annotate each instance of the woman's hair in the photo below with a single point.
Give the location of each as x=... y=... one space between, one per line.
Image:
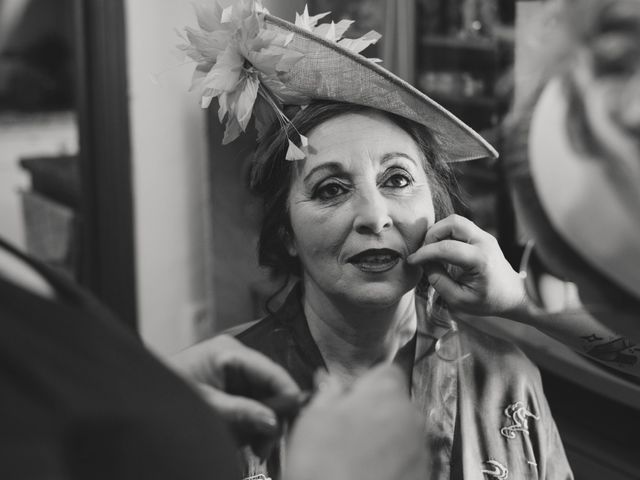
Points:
x=271 y=177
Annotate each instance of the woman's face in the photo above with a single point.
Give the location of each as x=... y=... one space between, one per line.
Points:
x=359 y=204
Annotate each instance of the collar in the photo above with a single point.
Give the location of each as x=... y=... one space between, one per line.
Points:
x=291 y=319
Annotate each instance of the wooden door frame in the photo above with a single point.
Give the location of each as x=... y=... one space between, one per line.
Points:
x=106 y=225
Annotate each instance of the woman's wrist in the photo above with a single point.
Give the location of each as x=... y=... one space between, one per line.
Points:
x=523 y=309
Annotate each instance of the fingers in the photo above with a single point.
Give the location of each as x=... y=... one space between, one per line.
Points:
x=452 y=252
x=246 y=417
x=450 y=290
x=253 y=372
x=458 y=228
x=225 y=363
x=251 y=422
x=234 y=380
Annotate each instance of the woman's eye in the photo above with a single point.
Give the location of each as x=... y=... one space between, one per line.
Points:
x=329 y=191
x=397 y=181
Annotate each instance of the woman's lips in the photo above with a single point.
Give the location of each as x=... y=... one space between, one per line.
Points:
x=375 y=260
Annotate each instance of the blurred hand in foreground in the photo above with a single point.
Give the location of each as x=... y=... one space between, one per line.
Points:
x=235 y=380
x=369 y=432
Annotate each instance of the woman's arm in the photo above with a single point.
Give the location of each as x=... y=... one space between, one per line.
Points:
x=580 y=330
x=465 y=265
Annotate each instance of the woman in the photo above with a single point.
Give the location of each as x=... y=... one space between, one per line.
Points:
x=348 y=220
x=347 y=210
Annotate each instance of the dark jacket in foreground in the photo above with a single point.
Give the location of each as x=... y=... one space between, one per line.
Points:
x=81 y=398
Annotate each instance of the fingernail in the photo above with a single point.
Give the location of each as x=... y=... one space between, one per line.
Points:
x=268 y=423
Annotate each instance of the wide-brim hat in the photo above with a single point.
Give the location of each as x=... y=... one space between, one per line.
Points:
x=247 y=57
x=327 y=71
x=593 y=207
x=572 y=158
x=562 y=223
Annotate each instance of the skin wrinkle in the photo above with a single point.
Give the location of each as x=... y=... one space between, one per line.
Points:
x=364 y=187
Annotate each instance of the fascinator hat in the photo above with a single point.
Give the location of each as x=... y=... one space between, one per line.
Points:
x=257 y=64
x=579 y=186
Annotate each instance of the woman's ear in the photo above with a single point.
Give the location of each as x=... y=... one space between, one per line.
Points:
x=288 y=241
x=290 y=244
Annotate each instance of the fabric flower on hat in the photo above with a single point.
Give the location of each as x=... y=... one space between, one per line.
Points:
x=243 y=64
x=334 y=32
x=233 y=49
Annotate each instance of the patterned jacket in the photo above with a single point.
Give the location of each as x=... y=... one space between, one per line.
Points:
x=484 y=410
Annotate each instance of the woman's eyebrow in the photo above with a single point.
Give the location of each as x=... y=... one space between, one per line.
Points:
x=393 y=155
x=332 y=167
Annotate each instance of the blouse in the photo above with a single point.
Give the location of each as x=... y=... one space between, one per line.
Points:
x=482 y=403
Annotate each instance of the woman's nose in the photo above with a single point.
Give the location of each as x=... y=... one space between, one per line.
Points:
x=372 y=214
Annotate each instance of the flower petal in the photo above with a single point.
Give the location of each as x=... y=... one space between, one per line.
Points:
x=267 y=38
x=227 y=14
x=288 y=60
x=245 y=100
x=223 y=106
x=209 y=16
x=205 y=45
x=265 y=60
x=330 y=34
x=340 y=28
x=199 y=74
x=307 y=22
x=356 y=45
x=206 y=100
x=232 y=131
x=294 y=153
x=225 y=74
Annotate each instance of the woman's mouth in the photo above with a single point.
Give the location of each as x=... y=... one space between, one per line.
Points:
x=375 y=260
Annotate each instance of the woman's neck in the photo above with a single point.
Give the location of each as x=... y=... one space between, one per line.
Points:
x=352 y=340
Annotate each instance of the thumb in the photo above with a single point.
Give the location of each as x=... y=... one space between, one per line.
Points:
x=244 y=416
x=442 y=283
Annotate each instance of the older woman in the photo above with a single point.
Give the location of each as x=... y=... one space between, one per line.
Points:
x=348 y=207
x=347 y=221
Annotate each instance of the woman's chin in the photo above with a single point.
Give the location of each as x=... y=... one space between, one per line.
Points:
x=377 y=295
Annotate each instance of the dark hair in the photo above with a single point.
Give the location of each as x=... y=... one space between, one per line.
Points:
x=271 y=176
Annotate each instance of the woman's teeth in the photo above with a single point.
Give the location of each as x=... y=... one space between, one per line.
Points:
x=376 y=263
x=375 y=259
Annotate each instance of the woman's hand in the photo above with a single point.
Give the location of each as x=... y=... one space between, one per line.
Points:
x=234 y=379
x=481 y=281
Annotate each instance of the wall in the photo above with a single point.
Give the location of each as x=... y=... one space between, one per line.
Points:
x=168 y=157
x=173 y=242
x=240 y=288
